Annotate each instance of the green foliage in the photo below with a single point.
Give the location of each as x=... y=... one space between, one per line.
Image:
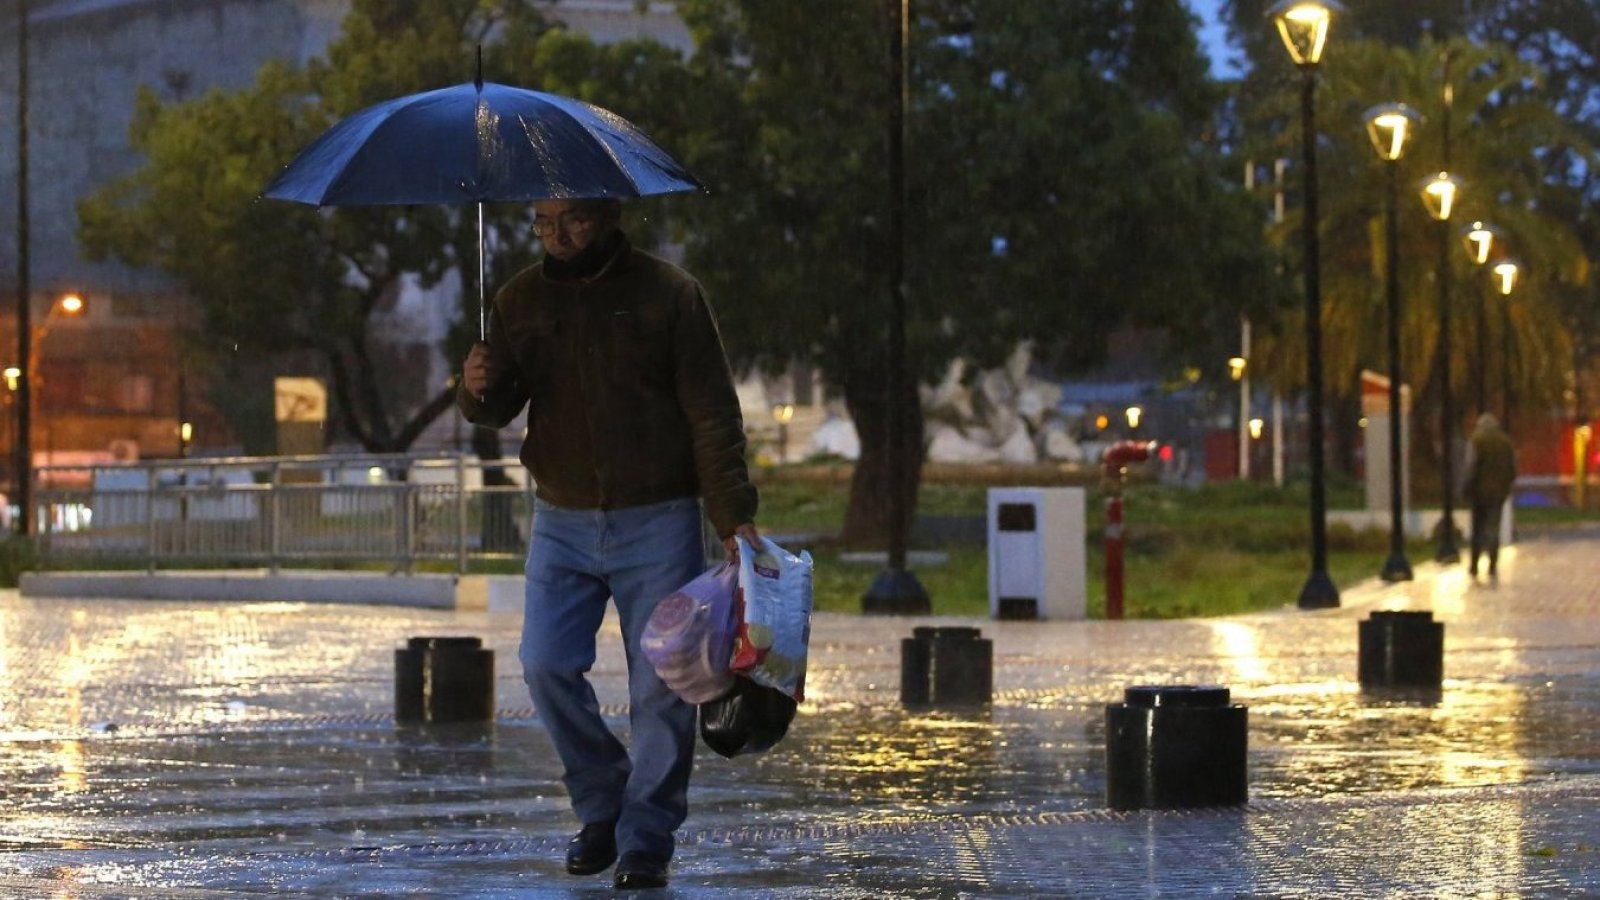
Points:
x=1073 y=133
x=17 y=555
x=1058 y=166
x=272 y=278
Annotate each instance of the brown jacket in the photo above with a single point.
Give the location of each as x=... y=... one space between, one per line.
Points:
x=629 y=394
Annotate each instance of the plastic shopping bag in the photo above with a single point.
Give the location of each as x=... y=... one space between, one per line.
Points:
x=774 y=617
x=689 y=637
x=750 y=718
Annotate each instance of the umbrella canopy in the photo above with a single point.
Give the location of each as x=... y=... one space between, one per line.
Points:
x=478 y=143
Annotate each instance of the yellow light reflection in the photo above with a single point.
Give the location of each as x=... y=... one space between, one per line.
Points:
x=1240 y=647
x=1447 y=596
x=72 y=777
x=75 y=672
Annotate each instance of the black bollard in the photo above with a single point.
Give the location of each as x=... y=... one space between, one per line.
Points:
x=1401 y=650
x=946 y=667
x=443 y=679
x=1175 y=747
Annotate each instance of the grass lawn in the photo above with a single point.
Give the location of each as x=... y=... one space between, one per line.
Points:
x=1213 y=550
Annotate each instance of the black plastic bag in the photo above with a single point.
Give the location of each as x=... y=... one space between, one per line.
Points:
x=750 y=718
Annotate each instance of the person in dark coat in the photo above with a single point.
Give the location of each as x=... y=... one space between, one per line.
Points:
x=633 y=425
x=1491 y=470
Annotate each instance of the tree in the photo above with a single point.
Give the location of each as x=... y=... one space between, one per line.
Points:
x=267 y=278
x=1057 y=161
x=1560 y=36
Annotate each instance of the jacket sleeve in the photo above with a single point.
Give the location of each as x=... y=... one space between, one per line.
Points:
x=711 y=405
x=506 y=396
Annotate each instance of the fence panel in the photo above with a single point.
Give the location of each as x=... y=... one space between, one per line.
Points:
x=391 y=510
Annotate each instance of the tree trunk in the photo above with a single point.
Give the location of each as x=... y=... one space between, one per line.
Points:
x=866 y=521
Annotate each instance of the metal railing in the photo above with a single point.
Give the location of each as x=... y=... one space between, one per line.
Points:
x=395 y=510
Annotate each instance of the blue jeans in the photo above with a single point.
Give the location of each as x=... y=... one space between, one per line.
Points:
x=576 y=560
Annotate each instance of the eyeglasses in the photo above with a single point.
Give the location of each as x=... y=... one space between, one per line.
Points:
x=570 y=222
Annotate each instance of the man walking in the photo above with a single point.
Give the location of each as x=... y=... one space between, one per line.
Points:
x=633 y=422
x=1491 y=470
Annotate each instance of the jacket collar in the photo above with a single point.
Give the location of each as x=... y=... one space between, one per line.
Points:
x=592 y=262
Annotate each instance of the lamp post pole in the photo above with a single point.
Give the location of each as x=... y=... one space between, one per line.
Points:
x=1480 y=238
x=1319 y=591
x=24 y=448
x=896 y=589
x=1507 y=272
x=1396 y=567
x=1449 y=551
x=1483 y=351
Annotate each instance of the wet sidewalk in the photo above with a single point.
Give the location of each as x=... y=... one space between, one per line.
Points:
x=159 y=749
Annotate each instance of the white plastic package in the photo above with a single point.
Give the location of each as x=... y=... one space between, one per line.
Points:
x=773 y=606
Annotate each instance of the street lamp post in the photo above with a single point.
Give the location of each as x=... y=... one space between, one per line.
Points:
x=68 y=305
x=1389 y=126
x=1439 y=196
x=1506 y=274
x=1480 y=238
x=896 y=589
x=1303 y=25
x=24 y=448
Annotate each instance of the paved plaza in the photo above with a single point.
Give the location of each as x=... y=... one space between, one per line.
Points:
x=165 y=749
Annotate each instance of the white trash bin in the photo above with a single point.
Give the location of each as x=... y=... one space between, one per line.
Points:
x=1037 y=553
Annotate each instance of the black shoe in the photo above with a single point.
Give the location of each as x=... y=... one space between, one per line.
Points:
x=593 y=849
x=639 y=871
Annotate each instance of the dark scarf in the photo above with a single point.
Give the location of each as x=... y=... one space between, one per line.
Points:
x=588 y=262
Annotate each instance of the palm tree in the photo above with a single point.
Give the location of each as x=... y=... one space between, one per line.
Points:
x=1502 y=136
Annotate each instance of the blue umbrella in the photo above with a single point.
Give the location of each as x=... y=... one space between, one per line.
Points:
x=478 y=143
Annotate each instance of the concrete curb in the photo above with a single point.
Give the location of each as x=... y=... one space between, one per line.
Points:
x=431 y=591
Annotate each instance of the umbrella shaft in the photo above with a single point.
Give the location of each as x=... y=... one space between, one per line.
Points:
x=483 y=314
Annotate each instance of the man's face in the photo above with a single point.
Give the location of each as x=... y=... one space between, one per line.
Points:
x=565 y=226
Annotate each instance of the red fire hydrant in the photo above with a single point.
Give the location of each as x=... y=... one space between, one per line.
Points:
x=1115 y=463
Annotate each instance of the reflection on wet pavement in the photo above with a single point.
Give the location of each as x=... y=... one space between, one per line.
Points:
x=156 y=748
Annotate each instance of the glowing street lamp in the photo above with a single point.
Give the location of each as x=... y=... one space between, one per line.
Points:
x=1303 y=25
x=1506 y=273
x=1389 y=126
x=1439 y=195
x=1479 y=238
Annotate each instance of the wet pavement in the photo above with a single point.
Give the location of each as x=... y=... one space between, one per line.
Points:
x=159 y=749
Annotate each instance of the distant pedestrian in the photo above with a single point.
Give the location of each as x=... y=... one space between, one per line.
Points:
x=632 y=418
x=1491 y=470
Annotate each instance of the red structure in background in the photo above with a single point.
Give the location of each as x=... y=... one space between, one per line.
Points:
x=1115 y=461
